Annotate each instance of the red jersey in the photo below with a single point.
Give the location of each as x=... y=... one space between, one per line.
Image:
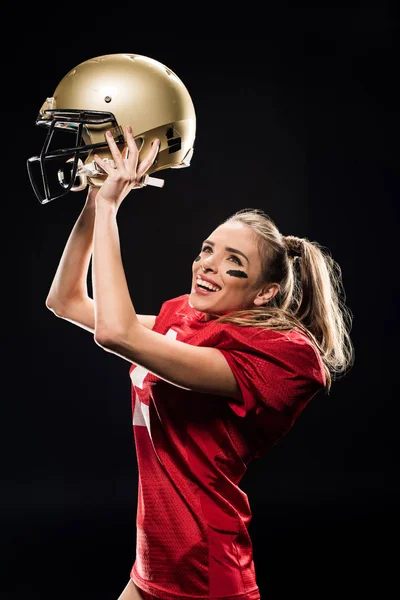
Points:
x=193 y=449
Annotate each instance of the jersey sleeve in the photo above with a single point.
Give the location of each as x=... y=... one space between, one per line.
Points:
x=275 y=369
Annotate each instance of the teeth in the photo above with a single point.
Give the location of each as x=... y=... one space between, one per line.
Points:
x=208 y=285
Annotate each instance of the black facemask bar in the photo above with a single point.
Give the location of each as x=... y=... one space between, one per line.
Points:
x=73 y=121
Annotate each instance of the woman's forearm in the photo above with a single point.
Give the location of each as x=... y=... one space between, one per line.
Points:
x=114 y=311
x=70 y=281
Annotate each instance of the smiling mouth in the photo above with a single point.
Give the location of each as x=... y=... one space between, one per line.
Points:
x=206 y=288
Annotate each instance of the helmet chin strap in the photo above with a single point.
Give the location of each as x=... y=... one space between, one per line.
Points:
x=150 y=180
x=92 y=169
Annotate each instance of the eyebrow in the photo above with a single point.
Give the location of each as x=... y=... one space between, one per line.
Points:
x=229 y=249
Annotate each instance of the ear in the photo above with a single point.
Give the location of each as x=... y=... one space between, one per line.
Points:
x=266 y=294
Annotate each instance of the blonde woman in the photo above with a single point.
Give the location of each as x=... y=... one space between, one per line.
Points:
x=218 y=376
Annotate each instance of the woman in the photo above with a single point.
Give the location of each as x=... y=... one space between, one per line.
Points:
x=218 y=376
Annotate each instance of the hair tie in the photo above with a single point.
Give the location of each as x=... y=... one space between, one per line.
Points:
x=293 y=245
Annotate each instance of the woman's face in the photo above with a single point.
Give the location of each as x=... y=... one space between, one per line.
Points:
x=226 y=271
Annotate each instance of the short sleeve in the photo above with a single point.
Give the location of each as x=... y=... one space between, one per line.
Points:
x=276 y=369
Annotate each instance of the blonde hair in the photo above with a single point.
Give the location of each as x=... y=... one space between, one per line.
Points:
x=311 y=295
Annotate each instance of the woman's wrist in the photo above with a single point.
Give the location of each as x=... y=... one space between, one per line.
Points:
x=91 y=197
x=104 y=206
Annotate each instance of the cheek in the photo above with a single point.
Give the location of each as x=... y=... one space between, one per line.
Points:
x=236 y=284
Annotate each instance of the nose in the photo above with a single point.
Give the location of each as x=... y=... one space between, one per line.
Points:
x=208 y=264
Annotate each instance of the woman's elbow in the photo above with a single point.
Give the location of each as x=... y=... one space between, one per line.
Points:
x=104 y=338
x=53 y=306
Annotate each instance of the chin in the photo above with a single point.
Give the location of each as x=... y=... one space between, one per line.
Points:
x=201 y=306
x=198 y=303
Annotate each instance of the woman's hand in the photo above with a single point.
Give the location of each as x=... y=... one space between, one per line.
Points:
x=127 y=173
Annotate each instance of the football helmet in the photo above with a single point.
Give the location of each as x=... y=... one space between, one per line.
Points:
x=108 y=93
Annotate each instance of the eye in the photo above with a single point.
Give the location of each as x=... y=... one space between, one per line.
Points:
x=206 y=249
x=236 y=260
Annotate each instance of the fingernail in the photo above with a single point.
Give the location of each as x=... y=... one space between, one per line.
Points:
x=109 y=133
x=129 y=128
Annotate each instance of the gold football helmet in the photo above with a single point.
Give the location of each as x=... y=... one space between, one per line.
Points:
x=108 y=93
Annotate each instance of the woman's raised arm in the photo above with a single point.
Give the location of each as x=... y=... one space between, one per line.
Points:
x=68 y=295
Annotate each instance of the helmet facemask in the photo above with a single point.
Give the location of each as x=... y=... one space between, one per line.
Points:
x=69 y=144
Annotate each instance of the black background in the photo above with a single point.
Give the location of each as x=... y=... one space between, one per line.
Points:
x=297 y=114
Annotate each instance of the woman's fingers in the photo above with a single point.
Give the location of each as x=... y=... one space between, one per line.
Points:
x=127 y=160
x=105 y=165
x=146 y=163
x=133 y=153
x=116 y=154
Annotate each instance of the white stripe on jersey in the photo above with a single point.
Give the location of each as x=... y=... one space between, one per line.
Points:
x=138 y=375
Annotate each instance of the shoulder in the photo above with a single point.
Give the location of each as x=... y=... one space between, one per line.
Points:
x=263 y=336
x=289 y=349
x=300 y=340
x=302 y=354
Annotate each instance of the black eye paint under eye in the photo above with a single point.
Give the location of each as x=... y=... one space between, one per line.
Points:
x=197 y=259
x=239 y=274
